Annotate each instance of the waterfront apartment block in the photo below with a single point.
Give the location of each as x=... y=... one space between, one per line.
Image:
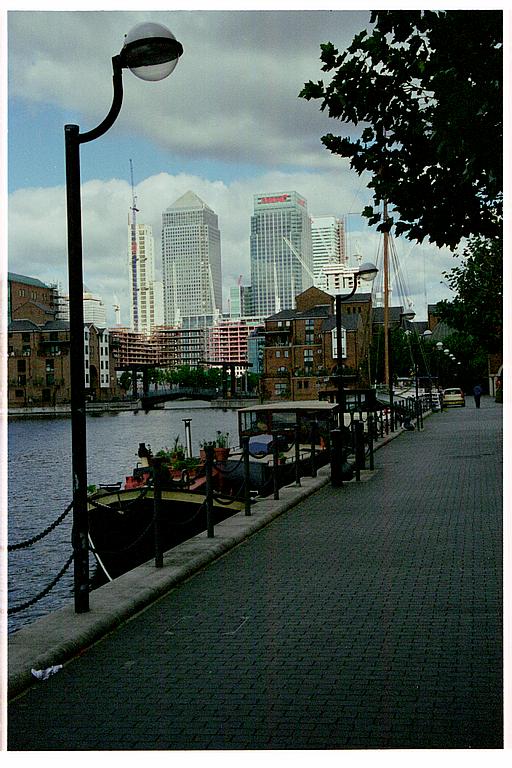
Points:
x=300 y=354
x=191 y=263
x=164 y=348
x=227 y=341
x=179 y=346
x=38 y=368
x=280 y=250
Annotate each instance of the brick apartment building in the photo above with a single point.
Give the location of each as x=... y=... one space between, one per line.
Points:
x=30 y=299
x=300 y=354
x=38 y=367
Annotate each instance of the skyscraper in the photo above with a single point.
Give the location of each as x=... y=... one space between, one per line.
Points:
x=328 y=239
x=191 y=263
x=281 y=253
x=141 y=250
x=240 y=300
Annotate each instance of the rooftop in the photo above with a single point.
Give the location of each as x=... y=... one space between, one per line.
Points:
x=15 y=278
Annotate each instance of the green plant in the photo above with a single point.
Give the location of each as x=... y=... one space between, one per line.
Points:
x=178 y=448
x=222 y=439
x=185 y=464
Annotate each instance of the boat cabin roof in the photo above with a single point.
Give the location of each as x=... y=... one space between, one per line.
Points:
x=295 y=406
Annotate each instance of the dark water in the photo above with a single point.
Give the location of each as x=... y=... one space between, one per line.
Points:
x=40 y=485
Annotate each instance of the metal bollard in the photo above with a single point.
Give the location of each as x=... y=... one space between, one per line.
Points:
x=370 y=440
x=297 y=456
x=336 y=459
x=275 y=456
x=247 y=474
x=208 y=449
x=314 y=431
x=157 y=509
x=359 y=440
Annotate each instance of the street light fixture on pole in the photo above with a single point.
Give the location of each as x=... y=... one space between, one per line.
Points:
x=151 y=52
x=366 y=271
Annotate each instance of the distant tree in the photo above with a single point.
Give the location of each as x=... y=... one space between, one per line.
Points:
x=401 y=350
x=125 y=380
x=426 y=87
x=476 y=310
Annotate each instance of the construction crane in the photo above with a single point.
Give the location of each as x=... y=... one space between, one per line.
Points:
x=117 y=310
x=135 y=297
x=299 y=257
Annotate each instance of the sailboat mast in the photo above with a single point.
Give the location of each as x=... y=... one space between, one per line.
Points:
x=386 y=299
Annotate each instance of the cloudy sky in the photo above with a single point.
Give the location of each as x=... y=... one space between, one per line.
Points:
x=227 y=124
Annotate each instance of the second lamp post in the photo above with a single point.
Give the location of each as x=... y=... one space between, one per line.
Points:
x=367 y=272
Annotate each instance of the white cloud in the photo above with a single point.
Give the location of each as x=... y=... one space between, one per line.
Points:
x=37 y=229
x=233 y=99
x=233 y=96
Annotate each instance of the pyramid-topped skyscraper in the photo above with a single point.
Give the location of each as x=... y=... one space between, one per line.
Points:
x=191 y=263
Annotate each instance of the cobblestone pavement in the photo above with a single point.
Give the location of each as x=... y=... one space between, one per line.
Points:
x=366 y=617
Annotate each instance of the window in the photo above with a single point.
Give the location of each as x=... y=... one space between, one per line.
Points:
x=280 y=389
x=308 y=361
x=50 y=376
x=282 y=369
x=25 y=336
x=278 y=353
x=334 y=337
x=309 y=336
x=22 y=366
x=19 y=393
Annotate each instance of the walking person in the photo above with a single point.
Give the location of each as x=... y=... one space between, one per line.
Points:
x=477 y=392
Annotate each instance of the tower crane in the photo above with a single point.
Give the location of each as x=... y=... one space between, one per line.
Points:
x=134 y=264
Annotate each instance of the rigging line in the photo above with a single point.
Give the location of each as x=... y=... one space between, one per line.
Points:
x=401 y=286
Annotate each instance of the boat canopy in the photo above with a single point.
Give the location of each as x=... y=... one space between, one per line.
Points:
x=285 y=416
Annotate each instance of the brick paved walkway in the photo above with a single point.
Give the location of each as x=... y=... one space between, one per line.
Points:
x=366 y=617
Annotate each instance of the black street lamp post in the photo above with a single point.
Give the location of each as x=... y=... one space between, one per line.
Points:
x=151 y=52
x=367 y=272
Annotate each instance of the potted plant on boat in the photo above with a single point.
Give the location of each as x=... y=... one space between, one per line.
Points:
x=220 y=444
x=222 y=448
x=177 y=462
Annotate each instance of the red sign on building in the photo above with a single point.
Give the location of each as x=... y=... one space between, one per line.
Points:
x=276 y=199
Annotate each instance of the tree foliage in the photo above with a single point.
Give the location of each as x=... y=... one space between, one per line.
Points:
x=477 y=309
x=426 y=89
